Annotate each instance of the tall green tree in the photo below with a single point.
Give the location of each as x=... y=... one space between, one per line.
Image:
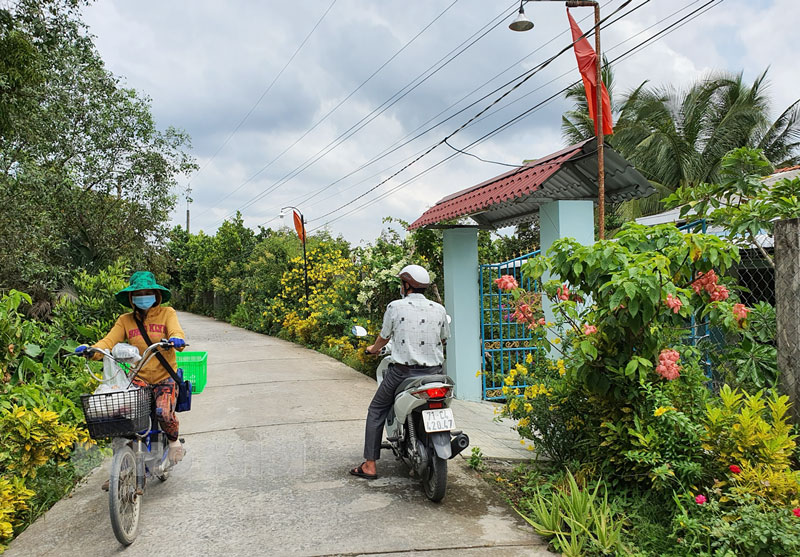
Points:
x=678 y=137
x=85 y=174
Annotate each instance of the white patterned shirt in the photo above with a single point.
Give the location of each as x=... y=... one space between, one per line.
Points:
x=417 y=326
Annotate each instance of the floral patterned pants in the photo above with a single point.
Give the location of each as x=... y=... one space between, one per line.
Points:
x=166 y=396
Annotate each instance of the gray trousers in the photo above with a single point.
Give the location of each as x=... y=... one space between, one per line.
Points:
x=382 y=403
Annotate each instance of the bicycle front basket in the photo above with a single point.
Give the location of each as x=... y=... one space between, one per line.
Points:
x=117 y=413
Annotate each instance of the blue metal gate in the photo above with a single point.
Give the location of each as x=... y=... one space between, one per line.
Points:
x=504 y=342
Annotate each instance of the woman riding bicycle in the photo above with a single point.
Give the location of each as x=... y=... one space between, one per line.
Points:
x=145 y=297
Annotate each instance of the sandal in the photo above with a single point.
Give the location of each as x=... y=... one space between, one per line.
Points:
x=176 y=454
x=358 y=471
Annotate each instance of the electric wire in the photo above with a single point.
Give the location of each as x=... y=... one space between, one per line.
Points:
x=529 y=75
x=260 y=98
x=305 y=198
x=335 y=108
x=412 y=85
x=662 y=33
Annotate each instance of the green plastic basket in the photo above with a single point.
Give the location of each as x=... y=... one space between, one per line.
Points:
x=194 y=365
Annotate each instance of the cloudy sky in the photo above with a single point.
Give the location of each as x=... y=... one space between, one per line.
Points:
x=320 y=124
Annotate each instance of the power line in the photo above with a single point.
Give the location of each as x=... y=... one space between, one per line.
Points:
x=263 y=94
x=405 y=141
x=390 y=149
x=530 y=73
x=664 y=32
x=325 y=117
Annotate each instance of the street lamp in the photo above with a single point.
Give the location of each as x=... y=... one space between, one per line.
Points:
x=520 y=25
x=300 y=227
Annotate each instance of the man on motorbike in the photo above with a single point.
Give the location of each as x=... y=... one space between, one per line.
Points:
x=145 y=297
x=418 y=329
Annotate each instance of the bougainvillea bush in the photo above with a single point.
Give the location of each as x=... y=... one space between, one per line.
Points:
x=626 y=397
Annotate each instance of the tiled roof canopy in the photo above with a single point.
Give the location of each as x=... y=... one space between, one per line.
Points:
x=514 y=197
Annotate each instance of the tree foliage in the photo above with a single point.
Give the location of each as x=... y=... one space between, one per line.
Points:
x=678 y=137
x=85 y=174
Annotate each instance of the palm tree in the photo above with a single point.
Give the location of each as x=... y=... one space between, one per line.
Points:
x=678 y=137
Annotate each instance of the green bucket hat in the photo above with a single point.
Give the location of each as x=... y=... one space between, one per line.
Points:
x=141 y=280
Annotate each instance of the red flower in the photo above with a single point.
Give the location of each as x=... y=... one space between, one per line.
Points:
x=506 y=282
x=796 y=512
x=735 y=469
x=700 y=499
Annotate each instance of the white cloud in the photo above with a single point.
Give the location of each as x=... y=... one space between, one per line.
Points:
x=205 y=63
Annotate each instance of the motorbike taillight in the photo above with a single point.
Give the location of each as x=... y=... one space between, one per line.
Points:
x=434 y=392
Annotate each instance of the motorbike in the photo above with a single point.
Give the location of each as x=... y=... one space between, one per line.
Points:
x=420 y=427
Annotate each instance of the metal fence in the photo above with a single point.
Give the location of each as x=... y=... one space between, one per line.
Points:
x=504 y=342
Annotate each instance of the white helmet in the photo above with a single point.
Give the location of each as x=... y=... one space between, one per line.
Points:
x=415 y=275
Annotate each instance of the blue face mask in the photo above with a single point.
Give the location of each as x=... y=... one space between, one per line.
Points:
x=144 y=302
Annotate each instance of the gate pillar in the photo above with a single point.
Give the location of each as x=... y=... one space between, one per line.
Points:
x=462 y=301
x=564 y=219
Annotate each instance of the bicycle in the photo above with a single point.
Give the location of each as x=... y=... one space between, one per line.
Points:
x=140 y=451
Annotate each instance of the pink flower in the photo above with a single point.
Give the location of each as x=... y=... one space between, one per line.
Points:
x=700 y=499
x=674 y=303
x=668 y=367
x=735 y=469
x=506 y=282
x=720 y=293
x=542 y=321
x=740 y=312
x=796 y=512
x=589 y=329
x=563 y=293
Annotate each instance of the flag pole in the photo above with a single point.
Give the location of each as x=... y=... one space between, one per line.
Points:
x=305 y=263
x=301 y=233
x=601 y=177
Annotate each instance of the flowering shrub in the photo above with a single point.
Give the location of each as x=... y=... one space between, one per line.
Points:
x=726 y=523
x=333 y=285
x=632 y=388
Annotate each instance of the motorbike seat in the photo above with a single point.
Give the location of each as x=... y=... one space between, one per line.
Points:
x=412 y=382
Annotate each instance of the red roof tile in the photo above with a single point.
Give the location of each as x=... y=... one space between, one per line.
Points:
x=506 y=187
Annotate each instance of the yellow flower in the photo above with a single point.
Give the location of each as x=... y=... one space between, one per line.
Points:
x=505 y=390
x=530 y=447
x=522 y=441
x=662 y=410
x=523 y=422
x=556 y=340
x=509 y=380
x=478 y=373
x=528 y=407
x=529 y=358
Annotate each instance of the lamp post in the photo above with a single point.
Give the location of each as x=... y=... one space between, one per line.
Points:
x=522 y=23
x=301 y=231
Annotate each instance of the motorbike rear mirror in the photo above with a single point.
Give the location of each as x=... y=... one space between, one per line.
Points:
x=358 y=331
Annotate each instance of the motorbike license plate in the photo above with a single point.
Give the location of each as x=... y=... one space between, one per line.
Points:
x=438 y=420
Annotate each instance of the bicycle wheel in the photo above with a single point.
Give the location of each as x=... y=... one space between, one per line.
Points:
x=123 y=502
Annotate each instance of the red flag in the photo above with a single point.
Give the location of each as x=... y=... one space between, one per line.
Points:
x=298 y=226
x=587 y=64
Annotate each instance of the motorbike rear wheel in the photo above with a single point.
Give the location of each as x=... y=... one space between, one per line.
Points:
x=435 y=478
x=123 y=501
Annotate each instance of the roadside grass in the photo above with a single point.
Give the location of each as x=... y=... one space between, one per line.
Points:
x=646 y=519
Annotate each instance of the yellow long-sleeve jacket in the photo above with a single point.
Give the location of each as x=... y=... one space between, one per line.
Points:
x=160 y=323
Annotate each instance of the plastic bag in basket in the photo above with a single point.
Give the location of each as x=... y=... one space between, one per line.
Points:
x=116 y=403
x=113 y=374
x=126 y=352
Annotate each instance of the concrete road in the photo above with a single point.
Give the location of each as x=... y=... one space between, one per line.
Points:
x=269 y=443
